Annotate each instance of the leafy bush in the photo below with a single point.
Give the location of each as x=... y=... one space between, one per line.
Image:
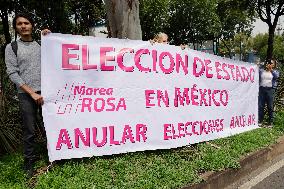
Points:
x=10 y=131
x=279 y=97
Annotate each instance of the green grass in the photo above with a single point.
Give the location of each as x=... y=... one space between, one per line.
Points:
x=151 y=169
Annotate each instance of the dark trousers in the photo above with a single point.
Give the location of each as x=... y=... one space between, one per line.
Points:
x=31 y=116
x=266 y=96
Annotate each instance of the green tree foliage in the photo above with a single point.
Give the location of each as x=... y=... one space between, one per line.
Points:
x=64 y=16
x=154 y=16
x=85 y=14
x=260 y=46
x=184 y=21
x=7 y=6
x=235 y=16
x=196 y=20
x=192 y=21
x=47 y=14
x=241 y=43
x=269 y=11
x=57 y=15
x=278 y=50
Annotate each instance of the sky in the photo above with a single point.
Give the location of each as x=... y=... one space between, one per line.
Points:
x=261 y=27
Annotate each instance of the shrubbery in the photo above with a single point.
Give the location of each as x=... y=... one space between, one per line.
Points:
x=10 y=127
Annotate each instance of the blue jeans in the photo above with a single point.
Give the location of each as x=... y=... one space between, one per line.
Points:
x=266 y=96
x=31 y=113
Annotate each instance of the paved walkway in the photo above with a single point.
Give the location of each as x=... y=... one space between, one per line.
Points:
x=269 y=176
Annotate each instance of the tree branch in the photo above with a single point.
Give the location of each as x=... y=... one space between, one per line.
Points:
x=268 y=11
x=282 y=12
x=260 y=11
x=273 y=11
x=281 y=7
x=278 y=12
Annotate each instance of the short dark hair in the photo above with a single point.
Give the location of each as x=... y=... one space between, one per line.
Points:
x=24 y=15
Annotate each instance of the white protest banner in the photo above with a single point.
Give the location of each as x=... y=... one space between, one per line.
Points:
x=110 y=96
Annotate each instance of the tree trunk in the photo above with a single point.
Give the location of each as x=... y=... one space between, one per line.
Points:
x=5 y=22
x=1 y=100
x=266 y=11
x=58 y=14
x=227 y=47
x=123 y=19
x=76 y=24
x=271 y=31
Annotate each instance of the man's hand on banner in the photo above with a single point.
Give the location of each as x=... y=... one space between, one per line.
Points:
x=182 y=46
x=45 y=32
x=37 y=98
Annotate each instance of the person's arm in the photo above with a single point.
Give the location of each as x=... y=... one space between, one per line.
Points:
x=275 y=74
x=259 y=75
x=37 y=98
x=13 y=73
x=45 y=32
x=182 y=46
x=12 y=66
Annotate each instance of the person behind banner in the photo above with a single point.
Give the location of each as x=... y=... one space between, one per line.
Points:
x=267 y=85
x=163 y=38
x=160 y=38
x=23 y=63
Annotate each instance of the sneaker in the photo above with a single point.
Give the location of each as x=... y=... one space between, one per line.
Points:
x=259 y=124
x=28 y=168
x=29 y=173
x=269 y=126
